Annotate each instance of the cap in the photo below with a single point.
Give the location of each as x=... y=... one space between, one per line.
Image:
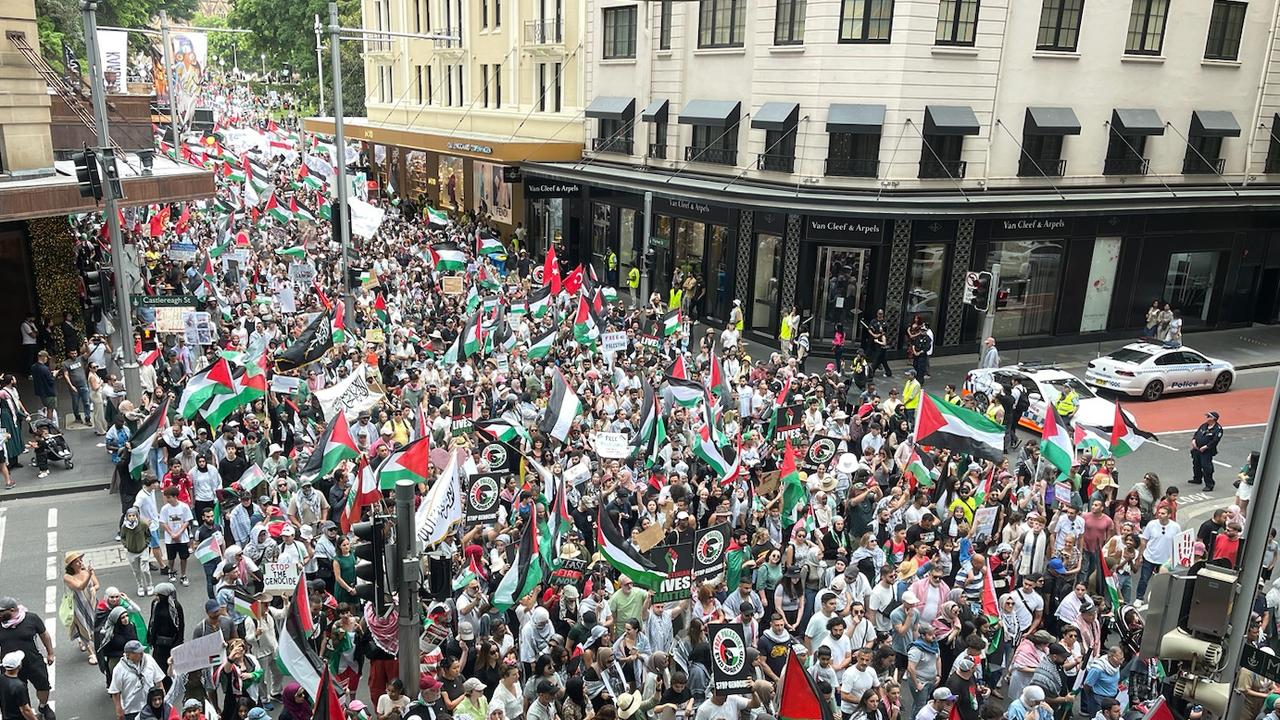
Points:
x=473 y=684
x=133 y=646
x=257 y=714
x=910 y=598
x=1212 y=413
x=466 y=631
x=274 y=448
x=356 y=705
x=8 y=603
x=287 y=530
x=212 y=606
x=14 y=659
x=546 y=686
x=965 y=664
x=192 y=704
x=943 y=693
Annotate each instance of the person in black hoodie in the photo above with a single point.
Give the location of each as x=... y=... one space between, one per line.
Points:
x=167 y=627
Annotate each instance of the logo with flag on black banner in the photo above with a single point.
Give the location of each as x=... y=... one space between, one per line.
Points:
x=821 y=451
x=463 y=411
x=788 y=421
x=481 y=504
x=501 y=457
x=730 y=673
x=676 y=562
x=710 y=548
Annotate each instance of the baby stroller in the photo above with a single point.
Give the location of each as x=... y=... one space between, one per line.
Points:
x=55 y=443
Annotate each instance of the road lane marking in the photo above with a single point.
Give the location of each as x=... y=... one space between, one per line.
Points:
x=3 y=512
x=1157 y=443
x=50 y=599
x=53 y=669
x=50 y=569
x=53 y=541
x=53 y=518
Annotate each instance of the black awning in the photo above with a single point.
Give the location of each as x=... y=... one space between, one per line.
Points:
x=655 y=111
x=1137 y=121
x=1051 y=121
x=606 y=107
x=776 y=116
x=950 y=120
x=859 y=119
x=1214 y=123
x=714 y=113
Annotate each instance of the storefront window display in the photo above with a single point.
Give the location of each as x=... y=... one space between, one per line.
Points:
x=924 y=294
x=452 y=183
x=601 y=219
x=493 y=194
x=546 y=223
x=764 y=291
x=719 y=292
x=1189 y=284
x=1031 y=272
x=416 y=162
x=627 y=245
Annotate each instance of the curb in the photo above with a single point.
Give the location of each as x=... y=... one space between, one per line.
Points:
x=23 y=491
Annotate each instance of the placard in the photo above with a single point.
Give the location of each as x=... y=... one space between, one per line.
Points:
x=984 y=522
x=481 y=503
x=730 y=673
x=463 y=413
x=285 y=384
x=501 y=457
x=197 y=328
x=182 y=251
x=451 y=285
x=570 y=572
x=710 y=550
x=678 y=561
x=280 y=576
x=768 y=482
x=612 y=445
x=375 y=336
x=612 y=342
x=199 y=653
x=1184 y=549
x=788 y=423
x=821 y=451
x=169 y=319
x=303 y=274
x=287 y=301
x=577 y=473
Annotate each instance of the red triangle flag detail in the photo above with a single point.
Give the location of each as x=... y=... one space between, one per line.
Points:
x=928 y=418
x=799 y=699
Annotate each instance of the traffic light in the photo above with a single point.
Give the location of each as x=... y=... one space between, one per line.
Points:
x=1002 y=298
x=111 y=173
x=371 y=563
x=95 y=288
x=87 y=175
x=982 y=291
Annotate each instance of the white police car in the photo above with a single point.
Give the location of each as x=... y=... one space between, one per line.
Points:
x=1150 y=370
x=1044 y=384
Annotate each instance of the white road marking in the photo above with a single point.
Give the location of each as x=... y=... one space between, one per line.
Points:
x=3 y=512
x=53 y=518
x=1157 y=443
x=53 y=541
x=1224 y=427
x=50 y=599
x=50 y=569
x=53 y=675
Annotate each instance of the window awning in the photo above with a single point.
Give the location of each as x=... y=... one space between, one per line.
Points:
x=776 y=116
x=859 y=119
x=607 y=107
x=1214 y=123
x=655 y=111
x=1137 y=121
x=1051 y=121
x=714 y=113
x=950 y=120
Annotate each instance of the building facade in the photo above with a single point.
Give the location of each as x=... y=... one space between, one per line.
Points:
x=845 y=156
x=499 y=85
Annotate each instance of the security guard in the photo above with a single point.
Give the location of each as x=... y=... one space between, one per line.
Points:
x=611 y=267
x=1204 y=445
x=1067 y=404
x=633 y=281
x=911 y=392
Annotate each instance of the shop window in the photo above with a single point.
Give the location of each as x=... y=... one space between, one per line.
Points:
x=1060 y=25
x=1203 y=156
x=1031 y=274
x=779 y=151
x=1147 y=19
x=940 y=157
x=555 y=81
x=1041 y=156
x=788 y=23
x=620 y=32
x=719 y=289
x=615 y=136
x=1226 y=25
x=1189 y=284
x=853 y=154
x=721 y=23
x=764 y=283
x=658 y=148
x=1125 y=154
x=627 y=248
x=924 y=294
x=664 y=25
x=866 y=21
x=713 y=145
x=601 y=230
x=957 y=22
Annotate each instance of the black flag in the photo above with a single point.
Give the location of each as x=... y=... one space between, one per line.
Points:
x=310 y=346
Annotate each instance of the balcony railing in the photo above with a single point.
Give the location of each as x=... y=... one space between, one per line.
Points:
x=775 y=163
x=451 y=32
x=1125 y=166
x=543 y=32
x=1038 y=167
x=658 y=151
x=612 y=144
x=934 y=169
x=852 y=167
x=719 y=156
x=1195 y=165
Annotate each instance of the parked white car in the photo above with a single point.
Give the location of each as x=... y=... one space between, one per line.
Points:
x=1045 y=384
x=1150 y=371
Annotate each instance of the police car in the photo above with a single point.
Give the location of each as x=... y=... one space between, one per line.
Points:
x=1150 y=370
x=1045 y=384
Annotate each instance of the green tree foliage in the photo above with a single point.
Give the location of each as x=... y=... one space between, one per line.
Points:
x=60 y=20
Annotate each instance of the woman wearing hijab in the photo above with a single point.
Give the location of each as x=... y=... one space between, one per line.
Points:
x=297 y=706
x=116 y=630
x=156 y=707
x=135 y=536
x=167 y=627
x=237 y=677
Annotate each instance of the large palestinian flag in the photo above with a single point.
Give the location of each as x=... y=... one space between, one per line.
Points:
x=562 y=407
x=411 y=462
x=333 y=446
x=295 y=653
x=1125 y=436
x=1056 y=444
x=145 y=439
x=941 y=424
x=213 y=380
x=525 y=573
x=626 y=559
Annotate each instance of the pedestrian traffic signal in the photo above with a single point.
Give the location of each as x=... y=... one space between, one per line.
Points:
x=111 y=173
x=87 y=175
x=982 y=291
x=95 y=288
x=371 y=563
x=1002 y=299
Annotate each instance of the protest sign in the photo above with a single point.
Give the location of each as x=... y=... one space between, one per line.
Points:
x=570 y=572
x=285 y=384
x=1184 y=549
x=481 y=504
x=730 y=673
x=612 y=445
x=280 y=577
x=710 y=549
x=463 y=413
x=984 y=522
x=612 y=342
x=677 y=561
x=199 y=653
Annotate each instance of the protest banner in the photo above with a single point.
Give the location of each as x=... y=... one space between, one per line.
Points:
x=612 y=445
x=730 y=673
x=280 y=577
x=481 y=504
x=710 y=550
x=199 y=653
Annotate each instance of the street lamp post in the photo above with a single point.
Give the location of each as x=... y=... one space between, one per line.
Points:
x=264 y=65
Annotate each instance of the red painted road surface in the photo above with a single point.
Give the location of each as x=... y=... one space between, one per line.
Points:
x=1178 y=413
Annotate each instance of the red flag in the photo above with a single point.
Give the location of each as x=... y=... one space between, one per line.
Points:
x=551 y=272
x=572 y=282
x=158 y=222
x=183 y=219
x=328 y=703
x=799 y=698
x=989 y=606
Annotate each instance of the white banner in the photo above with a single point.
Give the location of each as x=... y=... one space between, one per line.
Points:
x=365 y=218
x=280 y=576
x=612 y=445
x=442 y=508
x=1184 y=549
x=285 y=384
x=612 y=342
x=199 y=653
x=113 y=52
x=352 y=395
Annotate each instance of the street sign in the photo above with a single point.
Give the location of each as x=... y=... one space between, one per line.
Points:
x=1268 y=666
x=971 y=280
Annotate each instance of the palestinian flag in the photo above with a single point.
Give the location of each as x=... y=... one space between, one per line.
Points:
x=794 y=495
x=585 y=330
x=328 y=705
x=941 y=424
x=297 y=252
x=626 y=559
x=538 y=302
x=145 y=439
x=540 y=346
x=503 y=430
x=991 y=608
x=724 y=460
x=333 y=446
x=364 y=491
x=562 y=408
x=252 y=477
x=411 y=462
x=380 y=309
x=920 y=468
x=213 y=380
x=277 y=211
x=338 y=325
x=210 y=549
x=525 y=573
x=310 y=346
x=685 y=393
x=306 y=178
x=1055 y=443
x=448 y=257
x=718 y=384
x=1107 y=585
x=556 y=524
x=300 y=211
x=983 y=490
x=489 y=246
x=656 y=441
x=323 y=208
x=218 y=251
x=1087 y=438
x=472 y=337
x=670 y=323
x=798 y=698
x=436 y=218
x=551 y=272
x=220 y=406
x=294 y=652
x=232 y=173
x=1125 y=436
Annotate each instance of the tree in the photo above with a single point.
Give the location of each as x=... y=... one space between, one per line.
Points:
x=60 y=20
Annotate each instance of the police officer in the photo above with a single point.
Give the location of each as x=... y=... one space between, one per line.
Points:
x=633 y=281
x=611 y=268
x=1019 y=401
x=1204 y=445
x=1067 y=404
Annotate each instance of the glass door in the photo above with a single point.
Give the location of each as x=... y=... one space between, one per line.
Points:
x=839 y=292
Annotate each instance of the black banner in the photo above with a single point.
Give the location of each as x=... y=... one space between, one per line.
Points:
x=730 y=673
x=788 y=423
x=464 y=407
x=483 y=495
x=710 y=549
x=821 y=451
x=570 y=572
x=501 y=457
x=677 y=562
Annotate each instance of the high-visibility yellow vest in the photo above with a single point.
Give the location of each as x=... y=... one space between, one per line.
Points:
x=911 y=394
x=674 y=299
x=612 y=260
x=1068 y=403
x=633 y=278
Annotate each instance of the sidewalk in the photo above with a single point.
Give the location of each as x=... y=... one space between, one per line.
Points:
x=92 y=464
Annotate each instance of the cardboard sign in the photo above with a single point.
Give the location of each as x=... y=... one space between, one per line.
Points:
x=452 y=285
x=483 y=497
x=375 y=335
x=730 y=673
x=984 y=522
x=768 y=483
x=285 y=384
x=303 y=274
x=677 y=561
x=280 y=577
x=577 y=473
x=199 y=653
x=570 y=572
x=169 y=319
x=612 y=342
x=710 y=551
x=612 y=445
x=1184 y=549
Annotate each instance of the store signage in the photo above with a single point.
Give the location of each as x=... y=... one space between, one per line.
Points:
x=695 y=209
x=510 y=174
x=470 y=148
x=1034 y=226
x=543 y=189
x=835 y=228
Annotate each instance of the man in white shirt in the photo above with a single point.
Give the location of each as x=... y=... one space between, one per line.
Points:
x=817 y=628
x=1156 y=547
x=145 y=501
x=133 y=677
x=175 y=523
x=725 y=707
x=856 y=681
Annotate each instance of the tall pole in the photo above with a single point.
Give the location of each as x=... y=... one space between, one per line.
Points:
x=410 y=566
x=1262 y=510
x=172 y=79
x=319 y=65
x=989 y=317
x=645 y=280
x=111 y=212
x=342 y=217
